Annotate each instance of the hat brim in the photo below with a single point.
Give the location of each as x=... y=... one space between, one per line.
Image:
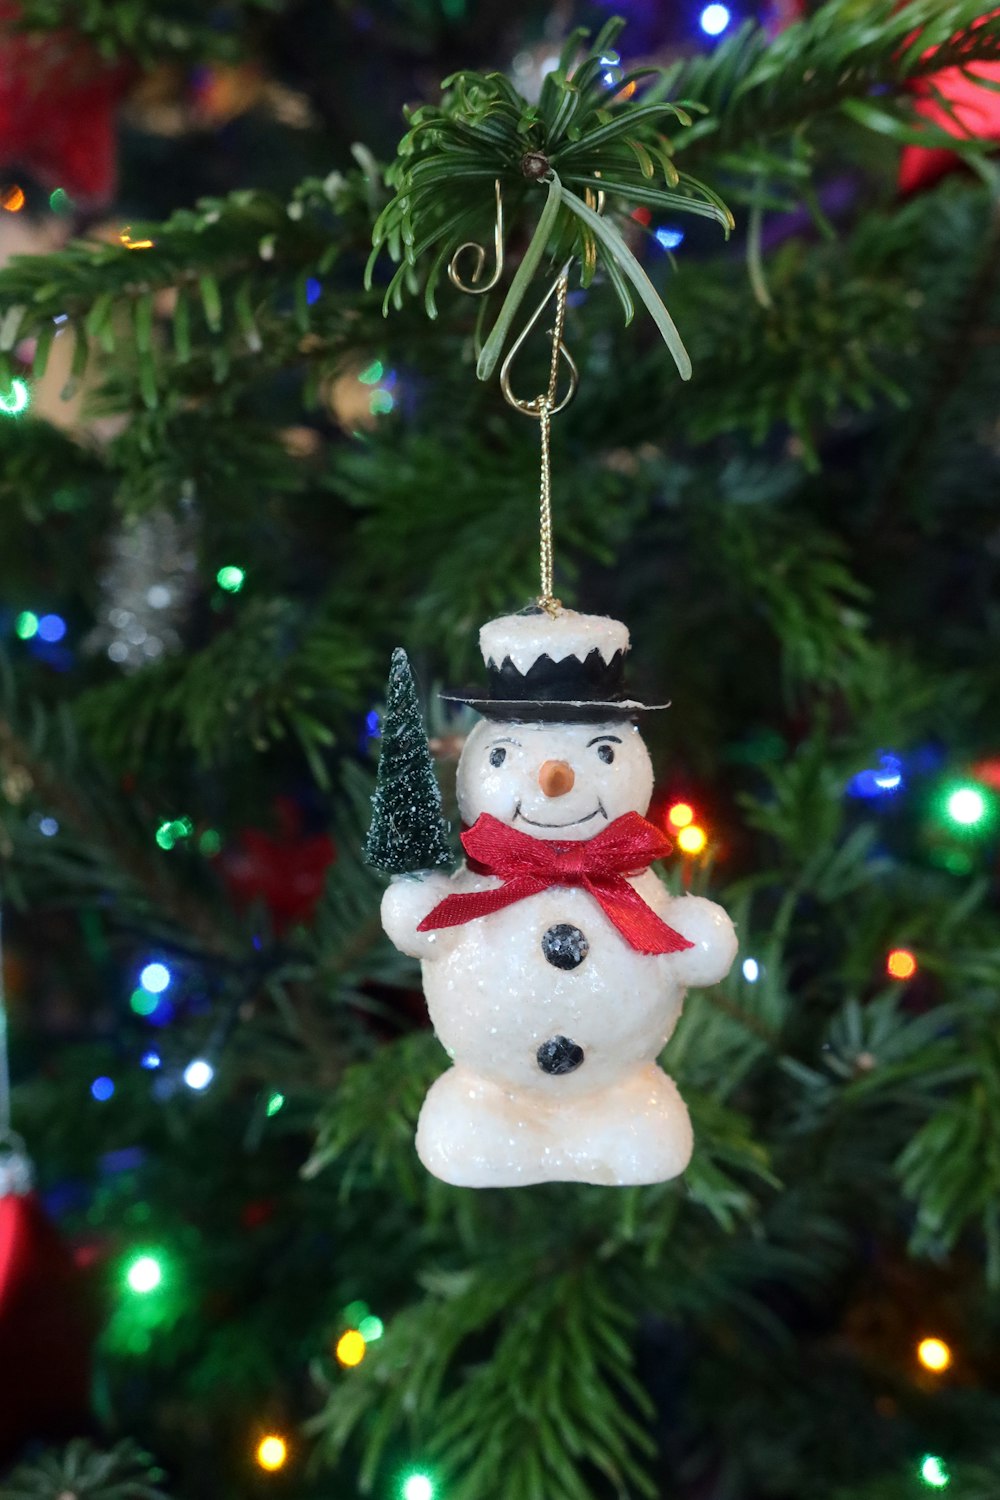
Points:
x=554 y=711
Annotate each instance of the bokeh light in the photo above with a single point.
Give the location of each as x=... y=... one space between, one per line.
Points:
x=714 y=19
x=275 y=1102
x=935 y=1355
x=51 y=628
x=155 y=977
x=272 y=1453
x=144 y=1274
x=680 y=815
x=901 y=964
x=351 y=1348
x=199 y=1074
x=16 y=399
x=966 y=806
x=934 y=1472
x=417 y=1487
x=692 y=839
x=751 y=970
x=667 y=237
x=371 y=1328
x=102 y=1089
x=231 y=578
x=26 y=625
x=12 y=198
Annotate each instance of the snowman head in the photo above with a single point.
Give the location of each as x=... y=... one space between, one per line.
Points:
x=554 y=781
x=557 y=753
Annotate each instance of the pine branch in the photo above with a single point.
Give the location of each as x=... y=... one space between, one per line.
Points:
x=154 y=32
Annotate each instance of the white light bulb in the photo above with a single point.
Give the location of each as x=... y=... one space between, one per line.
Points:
x=199 y=1074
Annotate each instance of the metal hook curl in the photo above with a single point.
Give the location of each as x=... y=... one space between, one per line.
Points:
x=547 y=402
x=473 y=288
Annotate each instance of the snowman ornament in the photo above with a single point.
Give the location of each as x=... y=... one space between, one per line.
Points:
x=555 y=962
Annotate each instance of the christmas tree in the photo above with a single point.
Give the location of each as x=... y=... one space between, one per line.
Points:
x=407 y=832
x=237 y=468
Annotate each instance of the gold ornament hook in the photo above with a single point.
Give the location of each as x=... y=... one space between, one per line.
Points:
x=473 y=288
x=549 y=401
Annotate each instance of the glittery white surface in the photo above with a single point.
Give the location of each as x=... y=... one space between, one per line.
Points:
x=524 y=638
x=495 y=1118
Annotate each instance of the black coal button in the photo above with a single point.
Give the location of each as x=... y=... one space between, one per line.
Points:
x=564 y=946
x=559 y=1055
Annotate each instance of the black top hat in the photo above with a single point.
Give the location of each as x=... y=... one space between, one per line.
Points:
x=578 y=679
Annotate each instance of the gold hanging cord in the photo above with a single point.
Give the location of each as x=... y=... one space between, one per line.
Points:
x=545 y=406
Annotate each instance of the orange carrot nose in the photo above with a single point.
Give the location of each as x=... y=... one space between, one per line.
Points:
x=556 y=778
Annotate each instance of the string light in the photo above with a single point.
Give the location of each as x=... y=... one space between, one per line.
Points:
x=231 y=578
x=144 y=1274
x=173 y=829
x=680 y=815
x=966 y=806
x=714 y=19
x=884 y=781
x=418 y=1487
x=668 y=238
x=272 y=1453
x=351 y=1348
x=371 y=1328
x=381 y=402
x=142 y=1002
x=131 y=244
x=17 y=399
x=150 y=1060
x=48 y=827
x=60 y=201
x=373 y=374
x=751 y=970
x=51 y=628
x=199 y=1074
x=935 y=1355
x=275 y=1102
x=102 y=1089
x=901 y=964
x=934 y=1472
x=210 y=843
x=692 y=839
x=12 y=198
x=314 y=290
x=155 y=978
x=26 y=625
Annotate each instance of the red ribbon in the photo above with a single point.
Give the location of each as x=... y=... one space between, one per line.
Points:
x=528 y=865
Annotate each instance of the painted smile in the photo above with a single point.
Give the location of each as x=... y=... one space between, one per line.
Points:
x=599 y=809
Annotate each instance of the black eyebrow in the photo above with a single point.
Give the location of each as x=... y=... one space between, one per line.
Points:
x=597 y=738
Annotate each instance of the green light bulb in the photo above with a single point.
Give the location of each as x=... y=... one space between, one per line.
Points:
x=417 y=1487
x=274 y=1103
x=26 y=625
x=16 y=399
x=230 y=578
x=934 y=1473
x=144 y=1274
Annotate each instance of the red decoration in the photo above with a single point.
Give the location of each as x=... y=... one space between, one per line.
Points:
x=45 y=1330
x=287 y=873
x=976 y=114
x=57 y=109
x=528 y=865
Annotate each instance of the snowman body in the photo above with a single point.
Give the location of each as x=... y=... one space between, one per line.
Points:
x=552 y=1019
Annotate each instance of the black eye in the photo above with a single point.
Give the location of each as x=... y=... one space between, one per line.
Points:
x=498 y=756
x=606 y=754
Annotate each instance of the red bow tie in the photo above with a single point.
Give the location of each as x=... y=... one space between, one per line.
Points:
x=527 y=865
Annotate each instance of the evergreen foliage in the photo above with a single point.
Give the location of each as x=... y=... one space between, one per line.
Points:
x=803 y=539
x=408 y=832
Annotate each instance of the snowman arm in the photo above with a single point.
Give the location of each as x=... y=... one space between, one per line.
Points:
x=406 y=903
x=710 y=930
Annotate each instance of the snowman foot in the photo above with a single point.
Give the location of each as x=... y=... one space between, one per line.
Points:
x=473 y=1133
x=635 y=1131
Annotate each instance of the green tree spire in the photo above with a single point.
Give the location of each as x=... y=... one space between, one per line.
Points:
x=408 y=831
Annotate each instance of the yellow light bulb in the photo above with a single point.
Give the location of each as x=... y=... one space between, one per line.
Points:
x=692 y=839
x=901 y=964
x=934 y=1355
x=351 y=1348
x=681 y=814
x=272 y=1452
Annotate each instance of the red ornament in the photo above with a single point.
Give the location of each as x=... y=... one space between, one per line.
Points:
x=976 y=114
x=57 y=109
x=45 y=1328
x=287 y=873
